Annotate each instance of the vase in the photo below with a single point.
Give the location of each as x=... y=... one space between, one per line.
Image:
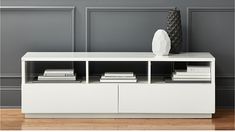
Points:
x=161 y=43
x=174 y=30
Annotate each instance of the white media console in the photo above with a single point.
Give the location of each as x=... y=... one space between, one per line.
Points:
x=89 y=98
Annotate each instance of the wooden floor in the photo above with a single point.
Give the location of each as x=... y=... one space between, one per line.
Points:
x=12 y=119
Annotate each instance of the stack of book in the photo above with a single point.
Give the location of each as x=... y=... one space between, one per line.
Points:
x=193 y=73
x=57 y=74
x=118 y=77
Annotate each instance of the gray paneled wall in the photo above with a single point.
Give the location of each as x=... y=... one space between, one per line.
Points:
x=113 y=25
x=123 y=29
x=33 y=29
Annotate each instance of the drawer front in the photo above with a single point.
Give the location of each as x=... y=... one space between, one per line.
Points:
x=166 y=98
x=69 y=98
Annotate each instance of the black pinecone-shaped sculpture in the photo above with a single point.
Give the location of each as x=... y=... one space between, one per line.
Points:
x=174 y=30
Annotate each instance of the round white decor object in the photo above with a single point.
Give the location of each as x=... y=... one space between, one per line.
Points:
x=161 y=43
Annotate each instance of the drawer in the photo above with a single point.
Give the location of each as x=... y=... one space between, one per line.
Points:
x=166 y=98
x=69 y=98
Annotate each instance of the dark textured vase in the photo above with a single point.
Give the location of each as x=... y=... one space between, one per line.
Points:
x=174 y=30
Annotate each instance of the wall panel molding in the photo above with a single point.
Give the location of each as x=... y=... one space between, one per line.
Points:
x=190 y=10
x=116 y=9
x=10 y=88
x=43 y=8
x=10 y=107
x=37 y=7
x=10 y=76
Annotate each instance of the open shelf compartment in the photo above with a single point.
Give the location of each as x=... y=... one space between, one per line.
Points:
x=99 y=68
x=181 y=72
x=36 y=68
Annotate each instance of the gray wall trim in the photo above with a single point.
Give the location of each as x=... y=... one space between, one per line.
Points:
x=10 y=88
x=116 y=9
x=225 y=77
x=190 y=10
x=10 y=107
x=10 y=76
x=230 y=88
x=224 y=107
x=73 y=30
x=39 y=8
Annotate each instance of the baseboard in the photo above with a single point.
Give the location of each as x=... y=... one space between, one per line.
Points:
x=225 y=107
x=120 y=115
x=10 y=107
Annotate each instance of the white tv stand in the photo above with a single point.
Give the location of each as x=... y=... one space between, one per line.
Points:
x=148 y=98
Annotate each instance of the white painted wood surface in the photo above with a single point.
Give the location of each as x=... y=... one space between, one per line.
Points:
x=115 y=56
x=69 y=98
x=166 y=98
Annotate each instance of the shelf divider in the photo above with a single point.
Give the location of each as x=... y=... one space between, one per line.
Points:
x=87 y=72
x=149 y=72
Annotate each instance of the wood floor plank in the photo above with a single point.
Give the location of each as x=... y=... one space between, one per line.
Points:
x=13 y=119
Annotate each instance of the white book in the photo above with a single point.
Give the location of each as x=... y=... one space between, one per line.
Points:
x=205 y=69
x=128 y=74
x=57 y=74
x=185 y=73
x=114 y=81
x=188 y=76
x=57 y=81
x=64 y=71
x=118 y=77
x=191 y=79
x=56 y=78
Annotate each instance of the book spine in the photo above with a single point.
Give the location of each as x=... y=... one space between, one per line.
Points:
x=56 y=78
x=113 y=81
x=121 y=77
x=190 y=79
x=188 y=76
x=57 y=74
x=119 y=74
x=198 y=70
x=191 y=74
x=59 y=71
